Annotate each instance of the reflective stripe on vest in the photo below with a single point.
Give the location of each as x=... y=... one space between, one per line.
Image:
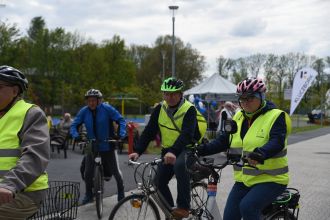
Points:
x=274 y=169
x=273 y=172
x=169 y=131
x=10 y=125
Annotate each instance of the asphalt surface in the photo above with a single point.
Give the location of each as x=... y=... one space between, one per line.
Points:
x=309 y=155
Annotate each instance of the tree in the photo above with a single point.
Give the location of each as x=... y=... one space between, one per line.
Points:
x=9 y=37
x=254 y=64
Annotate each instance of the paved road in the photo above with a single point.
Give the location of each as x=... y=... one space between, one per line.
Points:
x=309 y=162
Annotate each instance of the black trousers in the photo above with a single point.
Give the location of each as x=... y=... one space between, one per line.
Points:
x=110 y=167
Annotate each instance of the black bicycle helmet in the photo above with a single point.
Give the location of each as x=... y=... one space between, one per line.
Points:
x=93 y=93
x=172 y=85
x=13 y=76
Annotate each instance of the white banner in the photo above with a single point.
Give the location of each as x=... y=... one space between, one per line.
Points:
x=302 y=81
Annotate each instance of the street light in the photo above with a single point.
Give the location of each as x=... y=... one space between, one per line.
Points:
x=173 y=8
x=163 y=52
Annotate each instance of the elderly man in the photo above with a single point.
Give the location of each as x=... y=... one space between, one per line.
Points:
x=24 y=148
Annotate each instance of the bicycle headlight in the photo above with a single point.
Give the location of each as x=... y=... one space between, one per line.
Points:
x=136 y=203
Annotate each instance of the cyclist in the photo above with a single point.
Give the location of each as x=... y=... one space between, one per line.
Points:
x=261 y=136
x=98 y=119
x=175 y=120
x=24 y=148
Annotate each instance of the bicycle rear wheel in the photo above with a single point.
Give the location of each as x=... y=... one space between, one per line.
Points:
x=198 y=195
x=282 y=215
x=135 y=207
x=98 y=190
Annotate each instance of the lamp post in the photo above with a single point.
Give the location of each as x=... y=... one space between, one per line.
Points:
x=163 y=52
x=173 y=8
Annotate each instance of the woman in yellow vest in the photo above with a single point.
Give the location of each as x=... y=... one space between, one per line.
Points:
x=261 y=136
x=24 y=149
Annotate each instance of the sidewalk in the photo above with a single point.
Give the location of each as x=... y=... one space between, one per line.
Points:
x=309 y=170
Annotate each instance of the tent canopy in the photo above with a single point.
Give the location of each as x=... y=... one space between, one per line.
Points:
x=216 y=86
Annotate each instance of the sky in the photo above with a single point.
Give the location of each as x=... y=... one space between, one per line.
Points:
x=231 y=28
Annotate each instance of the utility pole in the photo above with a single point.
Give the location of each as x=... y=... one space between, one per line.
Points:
x=163 y=52
x=173 y=8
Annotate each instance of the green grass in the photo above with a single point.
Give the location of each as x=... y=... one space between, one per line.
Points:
x=305 y=128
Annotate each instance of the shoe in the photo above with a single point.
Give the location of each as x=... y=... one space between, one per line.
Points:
x=107 y=178
x=87 y=199
x=180 y=213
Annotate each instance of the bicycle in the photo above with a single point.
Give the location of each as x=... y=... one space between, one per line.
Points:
x=285 y=207
x=143 y=204
x=98 y=177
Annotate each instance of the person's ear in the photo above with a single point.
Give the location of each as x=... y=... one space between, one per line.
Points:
x=16 y=90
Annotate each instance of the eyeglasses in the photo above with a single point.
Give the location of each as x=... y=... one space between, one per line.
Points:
x=246 y=99
x=5 y=85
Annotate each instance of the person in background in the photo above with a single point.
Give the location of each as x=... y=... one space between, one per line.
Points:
x=228 y=111
x=24 y=148
x=65 y=124
x=175 y=120
x=98 y=119
x=261 y=137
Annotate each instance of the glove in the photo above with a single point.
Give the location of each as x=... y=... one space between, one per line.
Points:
x=78 y=139
x=257 y=157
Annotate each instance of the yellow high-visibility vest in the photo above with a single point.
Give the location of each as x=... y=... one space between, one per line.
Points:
x=171 y=129
x=10 y=152
x=274 y=169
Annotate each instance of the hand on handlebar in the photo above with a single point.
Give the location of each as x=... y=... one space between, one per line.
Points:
x=169 y=158
x=133 y=156
x=6 y=196
x=78 y=138
x=255 y=158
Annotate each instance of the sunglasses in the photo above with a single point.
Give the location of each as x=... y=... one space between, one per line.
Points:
x=2 y=85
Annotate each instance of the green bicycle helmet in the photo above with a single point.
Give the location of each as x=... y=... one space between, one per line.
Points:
x=172 y=85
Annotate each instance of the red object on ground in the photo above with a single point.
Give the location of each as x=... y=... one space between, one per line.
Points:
x=131 y=126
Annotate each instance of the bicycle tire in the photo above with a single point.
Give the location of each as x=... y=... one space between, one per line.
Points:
x=126 y=209
x=282 y=215
x=198 y=195
x=98 y=190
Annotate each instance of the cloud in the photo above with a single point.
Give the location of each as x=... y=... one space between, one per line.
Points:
x=231 y=28
x=248 y=27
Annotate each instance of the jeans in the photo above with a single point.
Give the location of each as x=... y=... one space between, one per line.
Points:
x=165 y=173
x=248 y=202
x=110 y=167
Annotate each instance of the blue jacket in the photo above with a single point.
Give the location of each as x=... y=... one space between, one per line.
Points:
x=275 y=144
x=105 y=116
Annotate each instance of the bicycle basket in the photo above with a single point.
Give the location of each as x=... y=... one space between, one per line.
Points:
x=61 y=201
x=199 y=172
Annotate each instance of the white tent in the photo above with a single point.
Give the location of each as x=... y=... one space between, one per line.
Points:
x=216 y=86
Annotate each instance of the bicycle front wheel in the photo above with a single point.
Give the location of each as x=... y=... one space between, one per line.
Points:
x=135 y=207
x=98 y=190
x=282 y=215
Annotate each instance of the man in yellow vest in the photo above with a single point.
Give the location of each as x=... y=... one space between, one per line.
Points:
x=24 y=149
x=261 y=136
x=176 y=121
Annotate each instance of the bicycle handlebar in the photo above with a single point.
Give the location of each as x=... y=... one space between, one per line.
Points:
x=153 y=162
